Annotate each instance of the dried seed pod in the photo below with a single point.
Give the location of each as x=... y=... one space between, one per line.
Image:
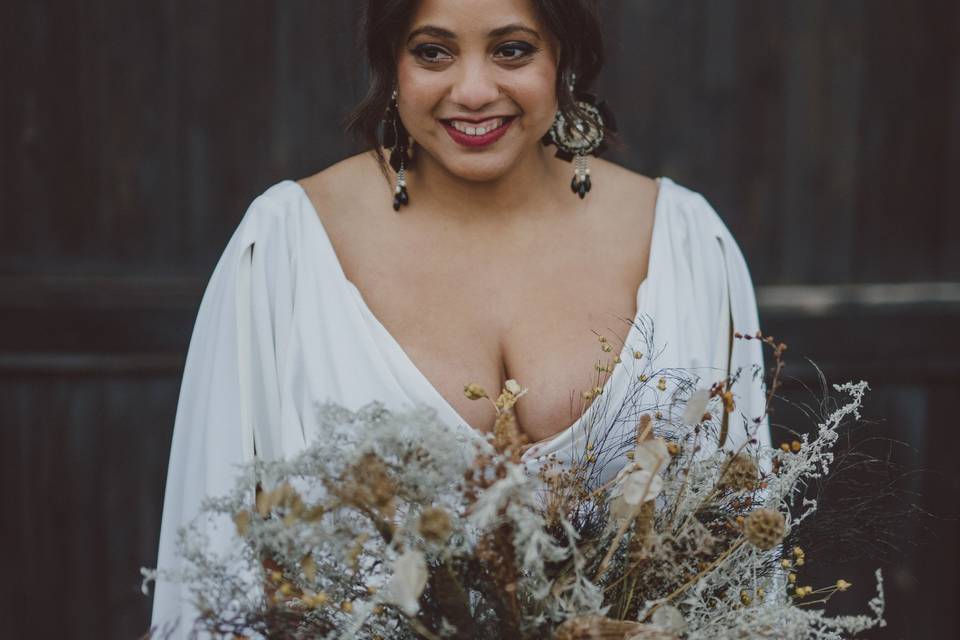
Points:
x=739 y=473
x=435 y=524
x=764 y=528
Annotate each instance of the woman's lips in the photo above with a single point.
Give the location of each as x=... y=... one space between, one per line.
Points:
x=475 y=141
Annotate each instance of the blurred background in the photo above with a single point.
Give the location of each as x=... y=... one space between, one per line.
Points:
x=134 y=134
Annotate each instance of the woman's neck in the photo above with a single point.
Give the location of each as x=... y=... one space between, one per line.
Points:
x=528 y=188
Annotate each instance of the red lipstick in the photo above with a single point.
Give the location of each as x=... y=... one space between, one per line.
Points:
x=477 y=141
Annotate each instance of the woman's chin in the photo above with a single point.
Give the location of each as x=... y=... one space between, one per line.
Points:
x=477 y=169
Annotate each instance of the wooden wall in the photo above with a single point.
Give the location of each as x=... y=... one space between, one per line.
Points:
x=133 y=136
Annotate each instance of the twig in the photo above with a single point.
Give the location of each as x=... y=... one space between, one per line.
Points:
x=686 y=585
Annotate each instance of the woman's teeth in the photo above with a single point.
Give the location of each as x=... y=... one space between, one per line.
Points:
x=477 y=128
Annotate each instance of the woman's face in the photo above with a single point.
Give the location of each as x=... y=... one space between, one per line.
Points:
x=476 y=84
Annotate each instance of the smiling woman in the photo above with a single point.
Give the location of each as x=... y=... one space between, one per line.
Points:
x=492 y=269
x=528 y=52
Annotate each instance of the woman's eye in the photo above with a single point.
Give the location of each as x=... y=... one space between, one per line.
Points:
x=430 y=53
x=515 y=50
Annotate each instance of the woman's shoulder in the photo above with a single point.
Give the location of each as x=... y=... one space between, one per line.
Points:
x=352 y=184
x=619 y=186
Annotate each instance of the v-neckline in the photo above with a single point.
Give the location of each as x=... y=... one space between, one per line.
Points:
x=626 y=353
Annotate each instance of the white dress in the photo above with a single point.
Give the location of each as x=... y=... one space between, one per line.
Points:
x=280 y=329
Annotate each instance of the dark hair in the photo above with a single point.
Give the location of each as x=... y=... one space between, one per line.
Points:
x=574 y=23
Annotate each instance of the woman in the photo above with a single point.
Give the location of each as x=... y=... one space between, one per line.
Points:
x=475 y=254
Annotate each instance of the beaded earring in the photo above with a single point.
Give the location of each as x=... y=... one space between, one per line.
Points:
x=580 y=135
x=396 y=138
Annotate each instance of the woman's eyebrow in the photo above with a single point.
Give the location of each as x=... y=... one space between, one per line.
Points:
x=440 y=32
x=431 y=30
x=510 y=28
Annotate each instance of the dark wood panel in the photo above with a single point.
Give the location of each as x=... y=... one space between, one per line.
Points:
x=900 y=426
x=83 y=465
x=905 y=178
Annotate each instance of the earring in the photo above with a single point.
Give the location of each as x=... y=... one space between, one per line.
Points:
x=577 y=137
x=395 y=137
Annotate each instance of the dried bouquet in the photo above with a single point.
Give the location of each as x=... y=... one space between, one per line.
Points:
x=395 y=525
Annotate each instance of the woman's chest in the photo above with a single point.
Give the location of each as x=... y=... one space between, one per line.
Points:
x=552 y=315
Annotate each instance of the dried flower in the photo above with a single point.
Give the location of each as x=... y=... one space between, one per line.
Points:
x=641 y=486
x=435 y=524
x=739 y=473
x=474 y=391
x=696 y=406
x=651 y=454
x=728 y=403
x=764 y=528
x=309 y=567
x=513 y=387
x=408 y=582
x=669 y=618
x=242 y=521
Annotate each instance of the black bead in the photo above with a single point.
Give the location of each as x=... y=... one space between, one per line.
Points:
x=582 y=190
x=404 y=198
x=588 y=184
x=396 y=203
x=573 y=184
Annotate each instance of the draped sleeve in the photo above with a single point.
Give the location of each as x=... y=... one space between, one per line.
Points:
x=229 y=394
x=732 y=305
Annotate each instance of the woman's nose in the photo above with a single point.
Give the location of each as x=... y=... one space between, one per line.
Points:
x=474 y=86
